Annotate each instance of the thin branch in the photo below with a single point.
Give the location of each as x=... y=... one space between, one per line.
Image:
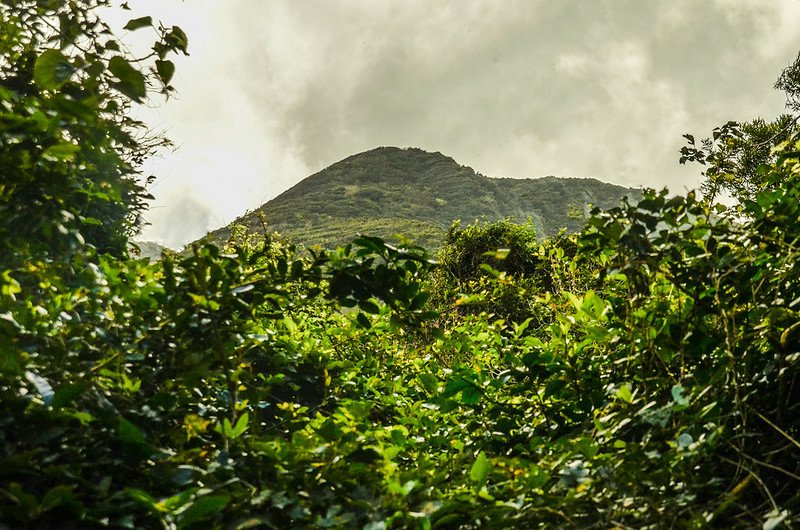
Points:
x=784 y=433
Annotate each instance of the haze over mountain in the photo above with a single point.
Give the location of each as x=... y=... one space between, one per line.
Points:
x=390 y=191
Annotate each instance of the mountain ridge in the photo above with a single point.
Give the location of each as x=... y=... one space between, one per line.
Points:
x=388 y=191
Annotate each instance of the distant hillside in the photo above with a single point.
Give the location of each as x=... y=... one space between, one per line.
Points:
x=389 y=191
x=147 y=249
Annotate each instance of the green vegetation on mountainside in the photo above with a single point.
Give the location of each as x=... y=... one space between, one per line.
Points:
x=390 y=191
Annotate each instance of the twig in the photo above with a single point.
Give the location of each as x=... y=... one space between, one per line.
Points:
x=784 y=433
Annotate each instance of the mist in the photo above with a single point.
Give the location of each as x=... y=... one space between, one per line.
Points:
x=274 y=91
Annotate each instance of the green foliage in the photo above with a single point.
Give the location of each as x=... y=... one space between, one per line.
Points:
x=737 y=155
x=789 y=82
x=255 y=387
x=500 y=269
x=410 y=193
x=640 y=374
x=481 y=249
x=68 y=149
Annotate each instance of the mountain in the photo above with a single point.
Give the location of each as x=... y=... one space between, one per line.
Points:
x=389 y=191
x=147 y=249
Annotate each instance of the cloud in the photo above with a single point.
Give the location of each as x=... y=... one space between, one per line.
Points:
x=277 y=90
x=187 y=219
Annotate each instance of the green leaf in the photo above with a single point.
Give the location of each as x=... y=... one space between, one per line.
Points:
x=166 y=69
x=64 y=152
x=57 y=496
x=454 y=386
x=202 y=509
x=329 y=431
x=129 y=433
x=470 y=395
x=131 y=81
x=137 y=23
x=479 y=472
x=177 y=39
x=429 y=381
x=624 y=393
x=363 y=321
x=142 y=497
x=241 y=425
x=52 y=69
x=66 y=394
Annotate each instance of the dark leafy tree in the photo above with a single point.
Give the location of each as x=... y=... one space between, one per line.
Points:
x=789 y=82
x=69 y=151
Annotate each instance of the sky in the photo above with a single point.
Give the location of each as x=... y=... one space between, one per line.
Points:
x=274 y=91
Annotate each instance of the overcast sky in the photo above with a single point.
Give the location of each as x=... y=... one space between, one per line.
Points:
x=276 y=90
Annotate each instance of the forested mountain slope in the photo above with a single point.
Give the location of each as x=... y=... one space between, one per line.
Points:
x=418 y=194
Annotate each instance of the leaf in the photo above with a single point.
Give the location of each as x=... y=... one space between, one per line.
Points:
x=177 y=39
x=165 y=69
x=129 y=433
x=194 y=425
x=364 y=455
x=624 y=393
x=64 y=152
x=677 y=396
x=242 y=289
x=363 y=321
x=329 y=431
x=479 y=472
x=429 y=381
x=66 y=394
x=142 y=497
x=202 y=509
x=241 y=425
x=685 y=440
x=51 y=70
x=137 y=23
x=57 y=496
x=454 y=386
x=42 y=387
x=774 y=519
x=370 y=307
x=470 y=395
x=131 y=81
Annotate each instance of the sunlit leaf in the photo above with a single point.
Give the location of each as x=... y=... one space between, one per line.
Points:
x=64 y=152
x=479 y=472
x=52 y=69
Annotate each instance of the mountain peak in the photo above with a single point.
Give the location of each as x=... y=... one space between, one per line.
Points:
x=390 y=164
x=391 y=190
